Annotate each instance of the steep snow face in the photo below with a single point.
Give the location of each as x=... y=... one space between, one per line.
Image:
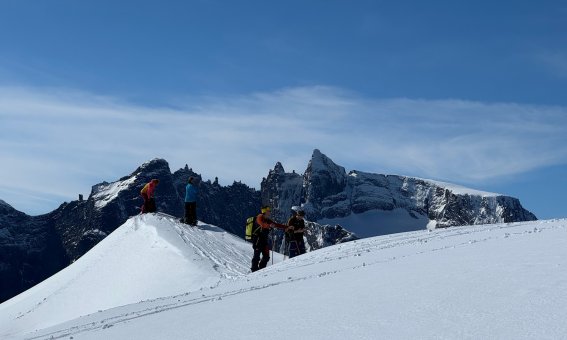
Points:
x=105 y=193
x=504 y=281
x=148 y=257
x=457 y=189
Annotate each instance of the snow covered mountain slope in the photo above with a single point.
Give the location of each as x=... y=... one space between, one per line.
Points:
x=504 y=281
x=377 y=204
x=147 y=257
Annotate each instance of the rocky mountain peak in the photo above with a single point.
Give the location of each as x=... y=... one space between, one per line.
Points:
x=321 y=163
x=279 y=169
x=156 y=165
x=323 y=178
x=5 y=207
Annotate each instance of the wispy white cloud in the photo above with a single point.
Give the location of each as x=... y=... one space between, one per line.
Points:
x=554 y=61
x=56 y=143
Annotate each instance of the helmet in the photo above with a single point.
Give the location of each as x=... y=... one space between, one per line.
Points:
x=297 y=210
x=265 y=209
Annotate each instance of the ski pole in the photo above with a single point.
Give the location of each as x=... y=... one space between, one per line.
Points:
x=273 y=247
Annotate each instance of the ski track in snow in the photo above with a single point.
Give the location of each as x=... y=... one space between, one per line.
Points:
x=232 y=262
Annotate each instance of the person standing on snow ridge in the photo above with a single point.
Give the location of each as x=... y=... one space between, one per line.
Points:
x=296 y=229
x=261 y=238
x=148 y=193
x=191 y=192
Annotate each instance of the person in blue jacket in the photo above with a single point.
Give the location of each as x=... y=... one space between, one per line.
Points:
x=191 y=192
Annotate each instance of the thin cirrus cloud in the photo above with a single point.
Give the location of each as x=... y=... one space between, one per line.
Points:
x=56 y=143
x=554 y=61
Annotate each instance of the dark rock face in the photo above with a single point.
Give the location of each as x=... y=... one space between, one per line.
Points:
x=281 y=191
x=320 y=236
x=30 y=251
x=324 y=182
x=227 y=207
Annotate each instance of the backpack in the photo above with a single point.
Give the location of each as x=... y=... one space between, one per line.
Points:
x=252 y=228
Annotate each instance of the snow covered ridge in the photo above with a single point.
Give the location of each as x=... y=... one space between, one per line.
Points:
x=148 y=257
x=377 y=204
x=502 y=281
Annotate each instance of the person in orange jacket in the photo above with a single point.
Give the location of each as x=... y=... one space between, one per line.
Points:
x=261 y=238
x=148 y=193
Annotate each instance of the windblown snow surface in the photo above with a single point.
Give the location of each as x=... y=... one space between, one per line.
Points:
x=106 y=193
x=505 y=281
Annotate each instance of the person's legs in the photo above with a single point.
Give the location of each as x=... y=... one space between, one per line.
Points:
x=145 y=205
x=187 y=218
x=265 y=257
x=152 y=205
x=293 y=249
x=255 y=260
x=301 y=247
x=193 y=213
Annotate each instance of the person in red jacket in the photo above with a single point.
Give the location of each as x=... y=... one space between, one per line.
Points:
x=261 y=238
x=148 y=193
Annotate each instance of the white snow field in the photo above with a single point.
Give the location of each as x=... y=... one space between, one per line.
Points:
x=148 y=257
x=505 y=281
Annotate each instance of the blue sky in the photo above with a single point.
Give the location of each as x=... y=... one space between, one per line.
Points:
x=469 y=92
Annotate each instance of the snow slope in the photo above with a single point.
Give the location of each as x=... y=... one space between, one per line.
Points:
x=148 y=257
x=504 y=281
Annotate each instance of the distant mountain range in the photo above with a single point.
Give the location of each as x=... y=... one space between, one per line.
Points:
x=340 y=206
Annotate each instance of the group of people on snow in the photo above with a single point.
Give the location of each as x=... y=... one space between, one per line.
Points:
x=293 y=236
x=191 y=192
x=262 y=224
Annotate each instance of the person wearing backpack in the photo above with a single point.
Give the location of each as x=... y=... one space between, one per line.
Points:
x=148 y=194
x=261 y=238
x=296 y=230
x=191 y=192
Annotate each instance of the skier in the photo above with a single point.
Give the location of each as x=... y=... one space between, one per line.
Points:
x=148 y=196
x=261 y=238
x=295 y=231
x=191 y=192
